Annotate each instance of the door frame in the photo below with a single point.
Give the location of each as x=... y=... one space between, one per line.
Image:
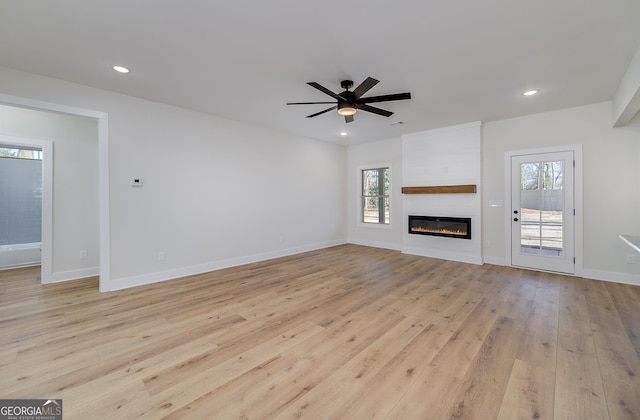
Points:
x=578 y=200
x=564 y=262
x=103 y=172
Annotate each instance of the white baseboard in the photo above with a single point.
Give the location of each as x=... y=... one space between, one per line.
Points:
x=376 y=244
x=75 y=274
x=444 y=255
x=493 y=260
x=587 y=273
x=11 y=267
x=611 y=276
x=133 y=281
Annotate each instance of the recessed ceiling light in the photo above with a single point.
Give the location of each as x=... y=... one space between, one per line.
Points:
x=530 y=92
x=344 y=133
x=121 y=69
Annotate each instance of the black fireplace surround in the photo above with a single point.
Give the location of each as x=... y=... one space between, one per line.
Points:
x=450 y=227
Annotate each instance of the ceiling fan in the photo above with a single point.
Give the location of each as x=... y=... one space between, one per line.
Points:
x=349 y=102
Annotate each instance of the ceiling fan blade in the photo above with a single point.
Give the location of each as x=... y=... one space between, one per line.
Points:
x=385 y=98
x=365 y=86
x=324 y=89
x=322 y=112
x=348 y=118
x=308 y=103
x=375 y=110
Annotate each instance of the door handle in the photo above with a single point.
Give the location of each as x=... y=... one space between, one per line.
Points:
x=515 y=219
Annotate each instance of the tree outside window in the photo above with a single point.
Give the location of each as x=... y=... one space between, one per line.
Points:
x=541 y=175
x=20 y=153
x=375 y=195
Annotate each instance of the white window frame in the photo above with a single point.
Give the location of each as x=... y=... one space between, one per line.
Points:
x=359 y=214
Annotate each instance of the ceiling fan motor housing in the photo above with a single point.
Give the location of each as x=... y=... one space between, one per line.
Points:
x=348 y=97
x=347 y=101
x=346 y=84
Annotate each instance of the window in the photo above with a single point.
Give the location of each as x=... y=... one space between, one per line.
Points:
x=375 y=195
x=20 y=153
x=20 y=195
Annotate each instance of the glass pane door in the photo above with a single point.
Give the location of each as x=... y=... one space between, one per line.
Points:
x=542 y=208
x=542 y=231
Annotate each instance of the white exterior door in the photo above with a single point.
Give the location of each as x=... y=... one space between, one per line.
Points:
x=543 y=212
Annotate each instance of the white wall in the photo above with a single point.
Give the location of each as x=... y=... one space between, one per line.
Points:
x=372 y=155
x=75 y=184
x=203 y=175
x=445 y=156
x=626 y=101
x=611 y=160
x=216 y=192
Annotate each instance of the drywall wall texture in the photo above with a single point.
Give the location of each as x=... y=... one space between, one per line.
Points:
x=611 y=178
x=440 y=157
x=367 y=156
x=75 y=183
x=215 y=192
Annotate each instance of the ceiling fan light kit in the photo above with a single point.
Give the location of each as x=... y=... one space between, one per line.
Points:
x=345 y=109
x=349 y=102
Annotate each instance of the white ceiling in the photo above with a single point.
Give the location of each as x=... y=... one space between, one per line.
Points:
x=462 y=60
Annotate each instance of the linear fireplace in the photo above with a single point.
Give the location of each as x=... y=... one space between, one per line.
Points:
x=451 y=227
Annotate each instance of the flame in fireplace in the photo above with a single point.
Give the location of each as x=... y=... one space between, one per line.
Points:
x=442 y=230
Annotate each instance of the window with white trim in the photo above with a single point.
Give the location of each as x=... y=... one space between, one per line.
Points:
x=20 y=195
x=375 y=198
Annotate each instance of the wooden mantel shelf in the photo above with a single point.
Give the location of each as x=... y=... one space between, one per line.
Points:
x=441 y=189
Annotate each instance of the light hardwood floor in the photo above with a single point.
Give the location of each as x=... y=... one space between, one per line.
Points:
x=348 y=332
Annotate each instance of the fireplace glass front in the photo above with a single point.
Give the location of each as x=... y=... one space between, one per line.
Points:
x=451 y=227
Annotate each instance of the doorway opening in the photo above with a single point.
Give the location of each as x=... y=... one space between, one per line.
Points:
x=104 y=271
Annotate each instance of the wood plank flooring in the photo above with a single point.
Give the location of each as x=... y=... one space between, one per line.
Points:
x=348 y=332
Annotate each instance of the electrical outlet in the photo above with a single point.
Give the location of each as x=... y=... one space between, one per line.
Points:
x=84 y=254
x=161 y=256
x=631 y=259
